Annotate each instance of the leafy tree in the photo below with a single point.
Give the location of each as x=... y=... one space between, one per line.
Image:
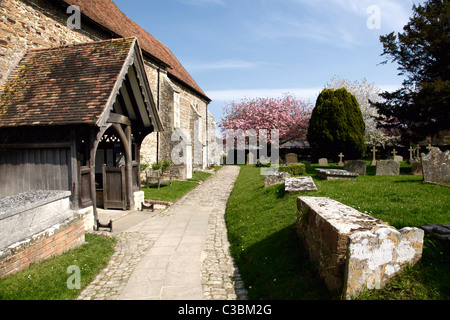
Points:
x=287 y=114
x=365 y=93
x=420 y=108
x=337 y=125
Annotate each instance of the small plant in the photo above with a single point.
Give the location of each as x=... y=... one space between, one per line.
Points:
x=162 y=165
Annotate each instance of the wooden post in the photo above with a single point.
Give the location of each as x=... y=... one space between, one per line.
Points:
x=129 y=172
x=125 y=137
x=93 y=148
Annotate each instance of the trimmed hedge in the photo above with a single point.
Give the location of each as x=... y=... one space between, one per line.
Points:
x=295 y=169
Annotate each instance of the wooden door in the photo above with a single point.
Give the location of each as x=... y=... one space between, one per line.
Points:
x=114 y=188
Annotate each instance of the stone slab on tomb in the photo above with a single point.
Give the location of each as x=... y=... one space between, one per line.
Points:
x=299 y=184
x=336 y=174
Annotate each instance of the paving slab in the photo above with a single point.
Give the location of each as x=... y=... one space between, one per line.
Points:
x=173 y=254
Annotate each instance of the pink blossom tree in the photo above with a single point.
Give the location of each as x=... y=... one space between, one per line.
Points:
x=288 y=115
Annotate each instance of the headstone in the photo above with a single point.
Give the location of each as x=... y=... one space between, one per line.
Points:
x=323 y=162
x=274 y=178
x=398 y=158
x=394 y=153
x=416 y=168
x=336 y=174
x=264 y=160
x=251 y=158
x=436 y=165
x=418 y=152
x=411 y=150
x=387 y=168
x=291 y=158
x=306 y=163
x=299 y=184
x=357 y=166
x=340 y=159
x=374 y=160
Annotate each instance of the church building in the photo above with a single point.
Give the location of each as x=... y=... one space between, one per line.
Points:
x=86 y=96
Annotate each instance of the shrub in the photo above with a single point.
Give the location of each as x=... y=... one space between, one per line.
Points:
x=163 y=166
x=337 y=125
x=295 y=169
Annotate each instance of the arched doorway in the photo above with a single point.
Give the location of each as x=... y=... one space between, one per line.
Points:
x=110 y=172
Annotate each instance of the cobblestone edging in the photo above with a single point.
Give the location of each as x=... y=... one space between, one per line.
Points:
x=109 y=283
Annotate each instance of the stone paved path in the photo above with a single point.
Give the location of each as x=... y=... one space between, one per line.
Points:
x=179 y=253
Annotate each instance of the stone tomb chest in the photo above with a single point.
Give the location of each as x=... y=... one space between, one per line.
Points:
x=336 y=174
x=354 y=251
x=36 y=225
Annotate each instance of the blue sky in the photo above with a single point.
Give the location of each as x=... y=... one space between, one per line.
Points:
x=264 y=48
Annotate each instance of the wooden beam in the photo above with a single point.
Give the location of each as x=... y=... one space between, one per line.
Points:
x=138 y=96
x=118 y=118
x=127 y=100
x=47 y=145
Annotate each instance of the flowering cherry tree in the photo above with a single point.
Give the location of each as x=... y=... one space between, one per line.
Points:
x=288 y=115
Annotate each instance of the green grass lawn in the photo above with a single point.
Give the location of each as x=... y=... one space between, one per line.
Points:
x=47 y=280
x=178 y=189
x=273 y=262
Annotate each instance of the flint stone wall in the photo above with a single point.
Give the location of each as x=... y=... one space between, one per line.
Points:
x=354 y=251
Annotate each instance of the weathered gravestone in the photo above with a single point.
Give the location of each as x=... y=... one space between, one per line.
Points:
x=291 y=158
x=323 y=162
x=299 y=184
x=416 y=168
x=273 y=178
x=398 y=158
x=387 y=168
x=335 y=174
x=354 y=251
x=340 y=163
x=357 y=166
x=436 y=165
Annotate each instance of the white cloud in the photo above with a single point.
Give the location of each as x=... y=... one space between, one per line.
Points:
x=338 y=22
x=238 y=94
x=305 y=94
x=224 y=64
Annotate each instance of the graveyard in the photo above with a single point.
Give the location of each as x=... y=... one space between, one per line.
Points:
x=275 y=265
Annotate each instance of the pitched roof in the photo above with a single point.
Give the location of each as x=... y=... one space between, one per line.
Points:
x=108 y=15
x=73 y=84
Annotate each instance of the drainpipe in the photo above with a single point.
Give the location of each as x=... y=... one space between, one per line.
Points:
x=157 y=106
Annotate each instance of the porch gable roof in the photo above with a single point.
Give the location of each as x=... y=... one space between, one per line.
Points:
x=75 y=84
